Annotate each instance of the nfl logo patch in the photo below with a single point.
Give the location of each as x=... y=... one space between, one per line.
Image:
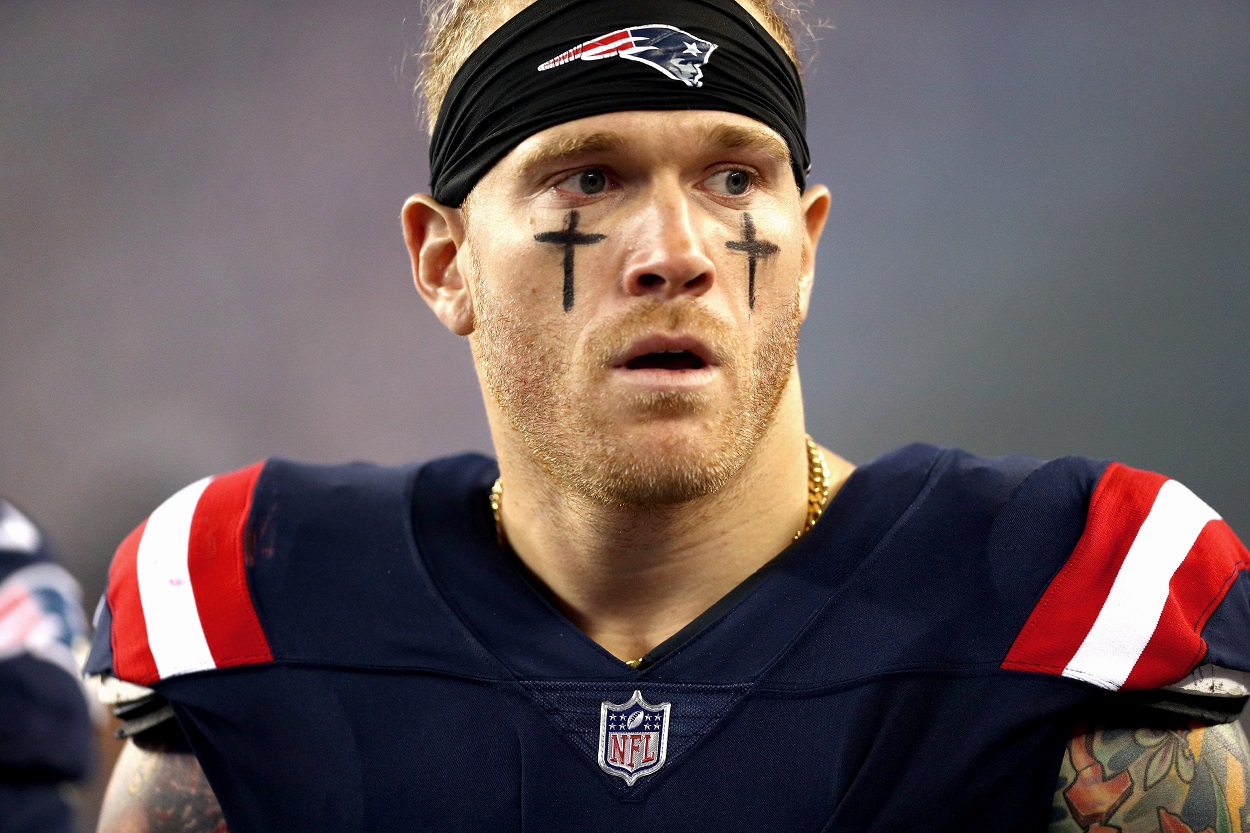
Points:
x=633 y=737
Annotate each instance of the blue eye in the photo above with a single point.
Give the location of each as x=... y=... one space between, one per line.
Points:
x=592 y=182
x=734 y=182
x=587 y=183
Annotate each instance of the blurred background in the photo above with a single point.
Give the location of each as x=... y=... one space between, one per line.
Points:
x=1040 y=242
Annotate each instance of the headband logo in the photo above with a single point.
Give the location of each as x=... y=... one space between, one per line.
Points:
x=679 y=55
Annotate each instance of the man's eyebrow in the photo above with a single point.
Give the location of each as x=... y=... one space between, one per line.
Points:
x=734 y=136
x=716 y=137
x=551 y=153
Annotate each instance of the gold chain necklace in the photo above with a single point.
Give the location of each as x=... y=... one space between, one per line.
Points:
x=817 y=496
x=817 y=486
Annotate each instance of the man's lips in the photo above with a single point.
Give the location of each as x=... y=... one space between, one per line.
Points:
x=666 y=352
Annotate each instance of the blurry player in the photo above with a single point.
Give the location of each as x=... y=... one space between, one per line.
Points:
x=46 y=735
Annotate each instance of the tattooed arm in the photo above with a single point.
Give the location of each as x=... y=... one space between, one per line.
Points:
x=1187 y=778
x=158 y=787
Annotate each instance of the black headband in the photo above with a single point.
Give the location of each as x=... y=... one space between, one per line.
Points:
x=560 y=60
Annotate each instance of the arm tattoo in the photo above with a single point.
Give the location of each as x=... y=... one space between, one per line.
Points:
x=1193 y=779
x=158 y=787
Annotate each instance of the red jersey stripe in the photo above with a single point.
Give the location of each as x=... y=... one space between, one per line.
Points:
x=132 y=657
x=1068 y=608
x=216 y=559
x=1195 y=591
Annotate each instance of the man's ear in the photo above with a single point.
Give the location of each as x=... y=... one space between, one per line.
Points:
x=435 y=235
x=815 y=202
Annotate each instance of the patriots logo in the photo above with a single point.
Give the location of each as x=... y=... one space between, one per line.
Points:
x=678 y=54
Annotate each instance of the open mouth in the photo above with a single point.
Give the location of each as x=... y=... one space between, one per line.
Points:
x=666 y=360
x=666 y=352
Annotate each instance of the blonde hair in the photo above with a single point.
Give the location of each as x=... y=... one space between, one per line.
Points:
x=454 y=28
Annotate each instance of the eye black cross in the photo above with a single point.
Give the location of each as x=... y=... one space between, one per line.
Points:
x=569 y=238
x=754 y=248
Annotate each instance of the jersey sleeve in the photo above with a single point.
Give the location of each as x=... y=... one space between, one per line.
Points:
x=178 y=599
x=1157 y=586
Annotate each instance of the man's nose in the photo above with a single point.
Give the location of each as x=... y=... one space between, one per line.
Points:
x=670 y=258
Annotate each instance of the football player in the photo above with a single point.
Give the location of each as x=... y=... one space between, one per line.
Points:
x=663 y=605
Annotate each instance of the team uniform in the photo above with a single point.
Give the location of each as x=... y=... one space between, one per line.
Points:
x=348 y=648
x=46 y=733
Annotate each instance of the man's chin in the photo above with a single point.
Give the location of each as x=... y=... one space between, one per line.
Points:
x=652 y=487
x=664 y=465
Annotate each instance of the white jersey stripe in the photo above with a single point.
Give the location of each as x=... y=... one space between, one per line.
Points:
x=1131 y=612
x=175 y=634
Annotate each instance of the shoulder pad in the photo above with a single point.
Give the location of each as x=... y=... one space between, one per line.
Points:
x=1214 y=681
x=178 y=595
x=1128 y=607
x=114 y=692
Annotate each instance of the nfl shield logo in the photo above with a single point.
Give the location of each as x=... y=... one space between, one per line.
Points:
x=633 y=737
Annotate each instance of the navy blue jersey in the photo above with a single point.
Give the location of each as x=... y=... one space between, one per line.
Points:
x=46 y=735
x=348 y=648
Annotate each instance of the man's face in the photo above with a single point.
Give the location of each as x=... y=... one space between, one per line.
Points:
x=618 y=329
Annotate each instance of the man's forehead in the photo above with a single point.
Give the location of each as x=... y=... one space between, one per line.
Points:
x=607 y=134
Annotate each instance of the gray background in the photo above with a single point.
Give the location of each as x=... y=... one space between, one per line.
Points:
x=1039 y=243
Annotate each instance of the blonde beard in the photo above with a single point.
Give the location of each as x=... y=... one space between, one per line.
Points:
x=527 y=374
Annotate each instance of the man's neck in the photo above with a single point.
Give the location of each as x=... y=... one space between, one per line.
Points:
x=630 y=577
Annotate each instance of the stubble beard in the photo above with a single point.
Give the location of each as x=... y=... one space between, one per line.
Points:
x=553 y=399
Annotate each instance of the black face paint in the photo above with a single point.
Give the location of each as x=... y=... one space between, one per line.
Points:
x=754 y=248
x=569 y=238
